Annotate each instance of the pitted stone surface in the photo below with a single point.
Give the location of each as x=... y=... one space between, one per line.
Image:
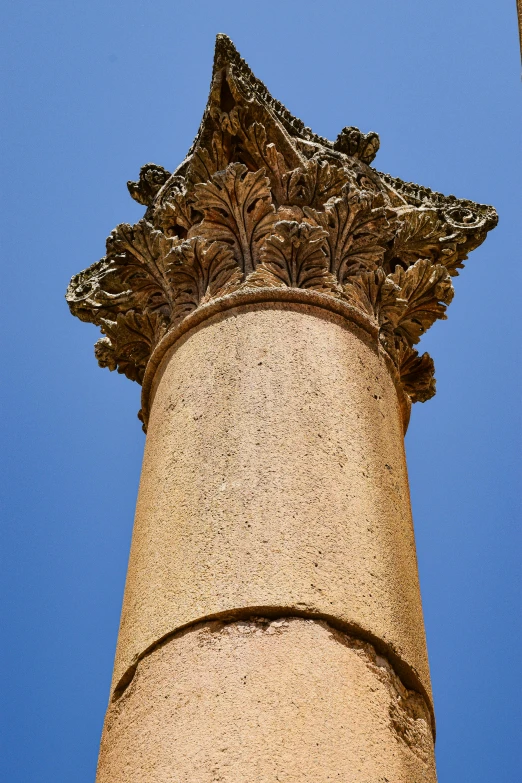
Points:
x=274 y=476
x=259 y=700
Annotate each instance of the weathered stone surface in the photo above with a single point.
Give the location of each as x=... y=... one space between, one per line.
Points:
x=264 y=700
x=261 y=201
x=269 y=302
x=274 y=476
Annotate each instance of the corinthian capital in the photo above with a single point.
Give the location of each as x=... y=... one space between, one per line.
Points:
x=261 y=203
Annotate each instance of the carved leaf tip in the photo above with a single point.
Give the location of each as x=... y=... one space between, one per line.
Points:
x=238 y=210
x=199 y=271
x=364 y=146
x=417 y=374
x=294 y=255
x=426 y=290
x=152 y=178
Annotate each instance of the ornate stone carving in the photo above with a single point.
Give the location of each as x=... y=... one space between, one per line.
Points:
x=293 y=255
x=152 y=178
x=237 y=209
x=359 y=229
x=262 y=202
x=359 y=145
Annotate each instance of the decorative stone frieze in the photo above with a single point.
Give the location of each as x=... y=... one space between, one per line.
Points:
x=261 y=202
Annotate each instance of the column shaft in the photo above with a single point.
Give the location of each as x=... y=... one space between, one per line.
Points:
x=272 y=625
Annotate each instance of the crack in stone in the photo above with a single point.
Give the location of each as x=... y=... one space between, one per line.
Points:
x=410 y=711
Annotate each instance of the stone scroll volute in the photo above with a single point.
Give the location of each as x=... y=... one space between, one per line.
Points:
x=262 y=202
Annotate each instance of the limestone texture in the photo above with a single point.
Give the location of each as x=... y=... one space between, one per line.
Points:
x=274 y=476
x=259 y=700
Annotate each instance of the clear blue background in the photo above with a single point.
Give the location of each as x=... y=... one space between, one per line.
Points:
x=93 y=91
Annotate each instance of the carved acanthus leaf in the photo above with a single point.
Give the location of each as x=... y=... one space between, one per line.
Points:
x=198 y=271
x=426 y=290
x=238 y=209
x=140 y=253
x=210 y=158
x=132 y=275
x=376 y=295
x=174 y=213
x=105 y=353
x=294 y=256
x=226 y=121
x=421 y=234
x=417 y=373
x=358 y=232
x=129 y=341
x=264 y=155
x=313 y=184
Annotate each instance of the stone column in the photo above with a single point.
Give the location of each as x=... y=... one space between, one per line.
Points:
x=269 y=302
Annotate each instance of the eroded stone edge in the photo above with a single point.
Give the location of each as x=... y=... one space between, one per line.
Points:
x=405 y=674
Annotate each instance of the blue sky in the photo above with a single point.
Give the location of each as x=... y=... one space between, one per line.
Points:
x=93 y=91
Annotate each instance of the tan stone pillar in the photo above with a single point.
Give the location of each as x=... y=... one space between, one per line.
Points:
x=272 y=625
